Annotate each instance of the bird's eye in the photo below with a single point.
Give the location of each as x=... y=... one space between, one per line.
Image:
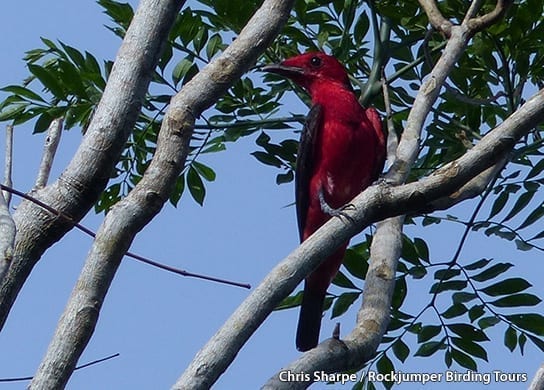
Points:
x=315 y=62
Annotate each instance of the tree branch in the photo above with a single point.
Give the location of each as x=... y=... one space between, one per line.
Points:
x=50 y=148
x=7 y=237
x=78 y=187
x=132 y=255
x=437 y=20
x=538 y=381
x=132 y=213
x=7 y=225
x=374 y=204
x=484 y=21
x=8 y=162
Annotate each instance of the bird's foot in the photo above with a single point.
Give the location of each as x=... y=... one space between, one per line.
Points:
x=339 y=212
x=382 y=181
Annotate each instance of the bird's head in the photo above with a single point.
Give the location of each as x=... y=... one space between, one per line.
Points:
x=310 y=68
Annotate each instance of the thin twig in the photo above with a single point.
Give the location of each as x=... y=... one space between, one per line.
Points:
x=8 y=162
x=392 y=140
x=49 y=150
x=134 y=256
x=27 y=378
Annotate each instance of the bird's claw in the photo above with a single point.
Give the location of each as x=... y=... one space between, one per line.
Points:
x=339 y=212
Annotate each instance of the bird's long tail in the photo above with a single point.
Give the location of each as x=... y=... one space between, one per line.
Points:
x=309 y=320
x=311 y=310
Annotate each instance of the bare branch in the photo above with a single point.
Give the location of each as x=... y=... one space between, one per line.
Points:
x=8 y=162
x=78 y=187
x=438 y=21
x=484 y=21
x=131 y=255
x=472 y=10
x=473 y=188
x=392 y=139
x=7 y=225
x=7 y=237
x=538 y=381
x=131 y=214
x=85 y=365
x=49 y=149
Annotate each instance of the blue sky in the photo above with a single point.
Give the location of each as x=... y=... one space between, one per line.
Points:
x=158 y=321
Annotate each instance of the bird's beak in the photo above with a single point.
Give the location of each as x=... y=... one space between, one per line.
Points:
x=284 y=70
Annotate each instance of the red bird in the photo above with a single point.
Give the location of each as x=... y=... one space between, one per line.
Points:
x=341 y=152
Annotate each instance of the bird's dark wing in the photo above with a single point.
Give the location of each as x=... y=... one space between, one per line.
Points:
x=304 y=167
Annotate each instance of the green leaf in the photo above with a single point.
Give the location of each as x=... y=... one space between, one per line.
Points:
x=23 y=92
x=449 y=285
x=429 y=348
x=470 y=347
x=342 y=280
x=520 y=204
x=491 y=272
x=43 y=122
x=205 y=171
x=196 y=186
x=401 y=350
x=179 y=186
x=215 y=43
x=507 y=286
x=456 y=310
x=532 y=322
x=463 y=297
x=399 y=294
x=523 y=245
x=477 y=264
x=12 y=111
x=181 y=69
x=384 y=364
x=422 y=249
x=291 y=301
x=48 y=79
x=463 y=359
x=343 y=302
x=428 y=332
x=446 y=274
x=267 y=159
x=521 y=342
x=499 y=204
x=476 y=312
x=517 y=300
x=534 y=216
x=510 y=338
x=536 y=341
x=287 y=177
x=536 y=170
x=467 y=331
x=488 y=322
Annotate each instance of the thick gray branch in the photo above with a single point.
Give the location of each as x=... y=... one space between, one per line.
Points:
x=376 y=203
x=131 y=214
x=7 y=225
x=438 y=21
x=79 y=186
x=479 y=23
x=139 y=53
x=7 y=236
x=538 y=381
